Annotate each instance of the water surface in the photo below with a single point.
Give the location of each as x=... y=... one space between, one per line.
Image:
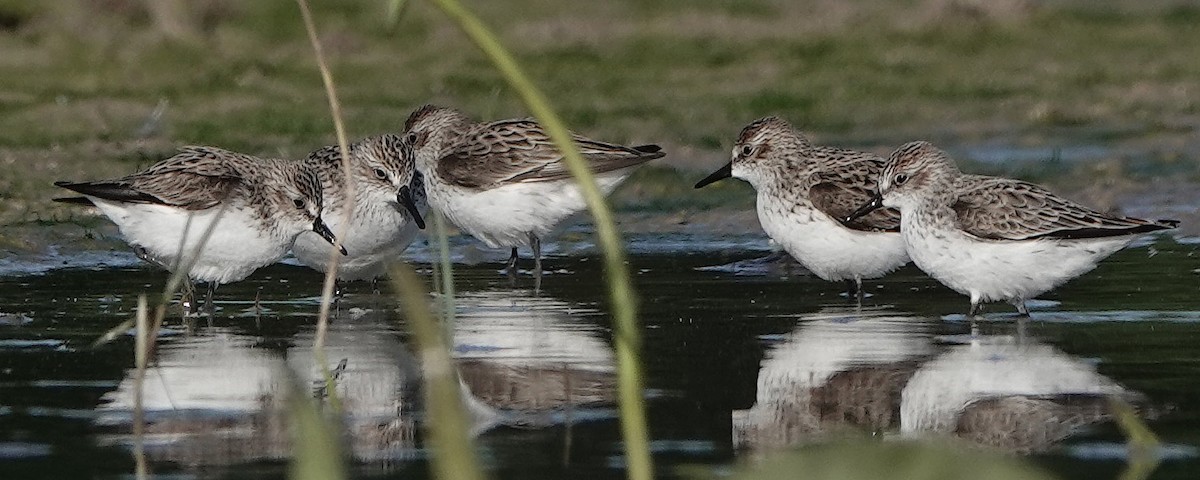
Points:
x=740 y=359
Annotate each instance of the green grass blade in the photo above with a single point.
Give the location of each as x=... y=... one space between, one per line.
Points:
x=395 y=11
x=624 y=304
x=331 y=267
x=446 y=277
x=1143 y=444
x=451 y=446
x=316 y=448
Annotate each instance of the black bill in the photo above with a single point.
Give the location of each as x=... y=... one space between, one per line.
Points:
x=875 y=203
x=323 y=230
x=721 y=174
x=405 y=198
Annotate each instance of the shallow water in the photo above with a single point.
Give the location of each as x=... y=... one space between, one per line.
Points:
x=740 y=359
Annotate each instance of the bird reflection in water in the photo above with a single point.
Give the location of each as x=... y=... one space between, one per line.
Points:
x=220 y=398
x=888 y=375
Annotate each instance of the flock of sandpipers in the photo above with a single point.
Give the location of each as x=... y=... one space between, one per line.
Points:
x=843 y=214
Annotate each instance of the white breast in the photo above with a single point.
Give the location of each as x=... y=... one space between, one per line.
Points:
x=378 y=234
x=824 y=246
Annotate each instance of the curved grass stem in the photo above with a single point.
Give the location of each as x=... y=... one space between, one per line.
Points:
x=331 y=267
x=335 y=110
x=624 y=305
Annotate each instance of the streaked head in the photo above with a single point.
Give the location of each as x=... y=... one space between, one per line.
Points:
x=913 y=171
x=431 y=130
x=762 y=144
x=385 y=166
x=298 y=203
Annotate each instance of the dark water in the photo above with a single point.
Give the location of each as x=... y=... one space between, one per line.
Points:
x=739 y=360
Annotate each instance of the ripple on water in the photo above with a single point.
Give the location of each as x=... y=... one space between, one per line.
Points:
x=1120 y=451
x=20 y=450
x=39 y=344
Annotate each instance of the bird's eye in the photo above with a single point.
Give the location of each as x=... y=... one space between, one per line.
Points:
x=411 y=138
x=900 y=178
x=298 y=203
x=380 y=174
x=746 y=149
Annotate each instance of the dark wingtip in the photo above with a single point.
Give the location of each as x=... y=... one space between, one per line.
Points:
x=1081 y=233
x=74 y=201
x=649 y=152
x=110 y=190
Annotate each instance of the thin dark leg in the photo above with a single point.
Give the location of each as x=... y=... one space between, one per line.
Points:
x=536 y=244
x=339 y=292
x=188 y=300
x=512 y=267
x=852 y=288
x=859 y=293
x=1022 y=329
x=208 y=300
x=257 y=303
x=976 y=310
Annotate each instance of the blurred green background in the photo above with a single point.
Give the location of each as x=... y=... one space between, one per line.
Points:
x=1099 y=99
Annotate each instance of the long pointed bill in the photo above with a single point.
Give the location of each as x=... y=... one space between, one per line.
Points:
x=875 y=203
x=721 y=174
x=405 y=198
x=323 y=230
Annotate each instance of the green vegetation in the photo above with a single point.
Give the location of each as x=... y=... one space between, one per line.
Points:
x=82 y=79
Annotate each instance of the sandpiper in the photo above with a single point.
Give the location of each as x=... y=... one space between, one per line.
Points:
x=504 y=182
x=254 y=207
x=804 y=193
x=994 y=239
x=388 y=204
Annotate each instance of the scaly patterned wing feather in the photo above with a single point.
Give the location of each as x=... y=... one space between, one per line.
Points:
x=517 y=151
x=1003 y=209
x=196 y=178
x=838 y=192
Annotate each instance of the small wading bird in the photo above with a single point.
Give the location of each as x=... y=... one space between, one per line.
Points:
x=388 y=203
x=505 y=182
x=994 y=239
x=255 y=209
x=804 y=193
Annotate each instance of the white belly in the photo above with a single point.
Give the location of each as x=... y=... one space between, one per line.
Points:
x=994 y=270
x=507 y=215
x=378 y=235
x=825 y=247
x=236 y=248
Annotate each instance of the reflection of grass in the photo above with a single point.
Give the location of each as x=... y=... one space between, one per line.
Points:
x=82 y=77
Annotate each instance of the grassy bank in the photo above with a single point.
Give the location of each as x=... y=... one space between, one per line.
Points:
x=84 y=80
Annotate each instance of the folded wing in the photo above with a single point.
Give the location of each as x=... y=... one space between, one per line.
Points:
x=519 y=151
x=1002 y=209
